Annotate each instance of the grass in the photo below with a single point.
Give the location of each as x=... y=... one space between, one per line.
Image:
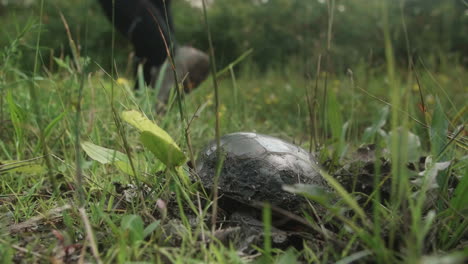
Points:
x=411 y=113
x=272 y=104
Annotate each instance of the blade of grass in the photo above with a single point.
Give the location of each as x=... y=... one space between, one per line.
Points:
x=347 y=198
x=18 y=119
x=35 y=103
x=81 y=73
x=217 y=123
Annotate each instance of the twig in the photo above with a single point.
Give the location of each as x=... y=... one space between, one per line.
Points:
x=200 y=211
x=33 y=220
x=24 y=250
x=79 y=174
x=90 y=236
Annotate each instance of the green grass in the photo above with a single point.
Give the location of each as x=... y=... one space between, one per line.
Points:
x=273 y=104
x=46 y=117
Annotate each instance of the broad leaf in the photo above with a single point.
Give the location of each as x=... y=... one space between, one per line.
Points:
x=108 y=156
x=156 y=139
x=150 y=228
x=103 y=155
x=412 y=141
x=134 y=227
x=289 y=257
x=370 y=132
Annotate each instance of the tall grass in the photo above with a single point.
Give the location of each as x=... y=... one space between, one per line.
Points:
x=167 y=219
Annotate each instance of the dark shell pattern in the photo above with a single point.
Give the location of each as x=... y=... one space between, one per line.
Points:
x=257 y=166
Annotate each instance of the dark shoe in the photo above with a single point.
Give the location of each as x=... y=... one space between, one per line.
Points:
x=192 y=67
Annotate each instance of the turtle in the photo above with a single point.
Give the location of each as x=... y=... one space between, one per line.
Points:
x=256 y=167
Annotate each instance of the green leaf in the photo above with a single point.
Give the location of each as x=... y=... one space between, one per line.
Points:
x=124 y=166
x=108 y=156
x=370 y=132
x=460 y=197
x=438 y=134
x=26 y=167
x=289 y=257
x=63 y=64
x=52 y=124
x=134 y=227
x=156 y=139
x=413 y=143
x=167 y=153
x=103 y=155
x=150 y=228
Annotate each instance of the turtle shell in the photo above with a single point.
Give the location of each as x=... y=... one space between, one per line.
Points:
x=256 y=167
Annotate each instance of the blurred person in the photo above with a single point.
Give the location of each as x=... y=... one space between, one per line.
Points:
x=148 y=24
x=144 y=23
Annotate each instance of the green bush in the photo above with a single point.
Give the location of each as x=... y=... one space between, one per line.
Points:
x=277 y=30
x=89 y=28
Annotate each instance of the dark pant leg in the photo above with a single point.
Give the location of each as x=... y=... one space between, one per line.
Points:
x=144 y=23
x=165 y=7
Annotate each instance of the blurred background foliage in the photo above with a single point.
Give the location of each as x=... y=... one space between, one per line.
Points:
x=279 y=32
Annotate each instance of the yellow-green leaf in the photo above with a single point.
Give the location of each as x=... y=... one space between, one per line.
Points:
x=169 y=154
x=124 y=167
x=156 y=139
x=26 y=167
x=108 y=156
x=101 y=154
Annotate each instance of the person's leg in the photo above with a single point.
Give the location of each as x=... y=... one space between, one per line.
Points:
x=151 y=37
x=143 y=21
x=145 y=24
x=165 y=7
